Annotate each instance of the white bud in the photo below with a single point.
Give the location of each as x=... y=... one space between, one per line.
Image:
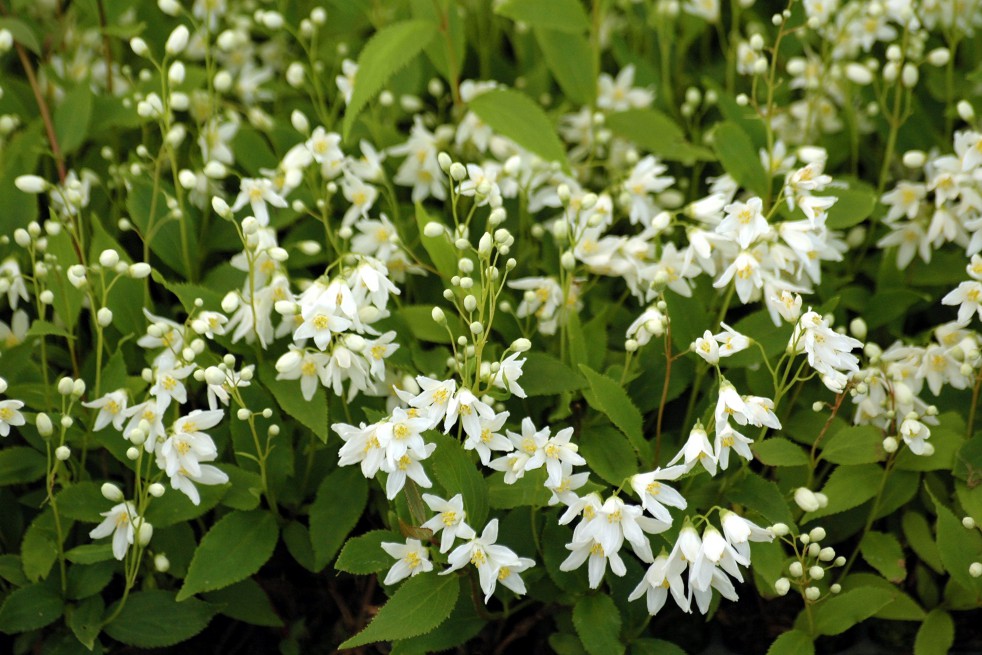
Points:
x=817 y=534
x=779 y=529
x=433 y=229
x=827 y=554
x=939 y=57
x=47 y=296
x=568 y=260
x=23 y=239
x=62 y=453
x=177 y=41
x=104 y=316
x=796 y=570
x=111 y=492
x=176 y=73
x=161 y=563
x=782 y=586
x=230 y=302
x=31 y=183
x=458 y=171
x=968 y=522
x=805 y=499
x=858 y=74
x=890 y=445
x=294 y=76
x=139 y=46
x=965 y=111
x=816 y=573
x=243 y=414
x=476 y=327
x=910 y=75
x=812 y=593
x=42 y=421
x=975 y=569
x=521 y=345
x=215 y=375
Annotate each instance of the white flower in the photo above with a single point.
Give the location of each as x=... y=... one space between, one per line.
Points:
x=257 y=192
x=508 y=374
x=495 y=563
x=662 y=576
x=490 y=439
x=620 y=94
x=118 y=522
x=739 y=532
x=412 y=558
x=320 y=322
x=449 y=519
x=10 y=415
x=361 y=446
x=112 y=409
x=408 y=466
x=655 y=495
x=967 y=296
x=169 y=385
x=697 y=450
x=744 y=222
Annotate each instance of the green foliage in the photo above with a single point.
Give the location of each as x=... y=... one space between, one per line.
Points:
x=842 y=611
x=936 y=635
x=340 y=500
x=737 y=155
x=155 y=619
x=657 y=133
x=363 y=554
x=561 y=15
x=608 y=397
x=30 y=608
x=514 y=115
x=598 y=624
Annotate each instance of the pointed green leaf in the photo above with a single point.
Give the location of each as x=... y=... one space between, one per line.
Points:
x=545 y=375
x=388 y=51
x=39 y=549
x=562 y=15
x=608 y=397
x=598 y=624
x=657 y=133
x=848 y=487
x=739 y=158
x=882 y=551
x=855 y=203
x=20 y=464
x=792 y=642
x=421 y=604
x=840 y=612
x=457 y=473
x=311 y=413
x=363 y=555
x=154 y=619
x=72 y=118
x=85 y=620
x=778 y=451
x=571 y=61
x=442 y=253
x=22 y=34
x=936 y=635
x=958 y=548
x=921 y=539
x=30 y=608
x=608 y=453
x=245 y=601
x=235 y=548
x=514 y=115
x=340 y=500
x=857 y=444
x=762 y=496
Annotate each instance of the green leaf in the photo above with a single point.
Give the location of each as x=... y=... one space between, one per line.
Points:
x=958 y=548
x=737 y=155
x=882 y=551
x=22 y=34
x=855 y=203
x=778 y=451
x=437 y=51
x=462 y=625
x=936 y=635
x=902 y=608
x=311 y=413
x=598 y=624
x=421 y=604
x=150 y=216
x=363 y=555
x=842 y=611
x=608 y=453
x=608 y=397
x=297 y=540
x=456 y=473
x=419 y=320
x=42 y=328
x=154 y=619
x=173 y=508
x=514 y=115
x=562 y=15
x=30 y=608
x=889 y=304
x=245 y=601
x=388 y=51
x=657 y=133
x=545 y=375
x=20 y=464
x=86 y=580
x=442 y=253
x=856 y=444
x=72 y=118
x=234 y=548
x=90 y=553
x=946 y=447
x=340 y=500
x=762 y=496
x=848 y=487
x=920 y=538
x=85 y=620
x=527 y=490
x=792 y=642
x=83 y=501
x=655 y=647
x=570 y=60
x=39 y=549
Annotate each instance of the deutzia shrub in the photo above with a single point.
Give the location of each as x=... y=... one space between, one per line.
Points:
x=479 y=326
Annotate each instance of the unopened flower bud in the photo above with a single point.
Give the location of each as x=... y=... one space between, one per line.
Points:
x=177 y=41
x=816 y=573
x=62 y=453
x=438 y=315
x=890 y=445
x=44 y=426
x=156 y=490
x=161 y=563
x=139 y=270
x=104 y=316
x=805 y=499
x=965 y=111
x=111 y=492
x=812 y=593
x=796 y=570
x=782 y=586
x=975 y=569
x=31 y=183
x=968 y=522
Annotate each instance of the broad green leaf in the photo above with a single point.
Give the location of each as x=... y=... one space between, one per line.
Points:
x=958 y=548
x=570 y=60
x=85 y=620
x=232 y=550
x=946 y=446
x=388 y=51
x=20 y=464
x=86 y=580
x=737 y=155
x=889 y=304
x=83 y=501
x=848 y=487
x=439 y=49
x=936 y=635
x=858 y=444
x=12 y=570
x=842 y=611
x=456 y=473
x=762 y=496
x=174 y=507
x=609 y=397
x=598 y=624
x=363 y=555
x=901 y=608
x=30 y=608
x=311 y=413
x=657 y=133
x=245 y=601
x=22 y=34
x=655 y=647
x=20 y=155
x=792 y=642
x=968 y=461
x=514 y=115
x=778 y=451
x=90 y=553
x=545 y=375
x=442 y=253
x=421 y=604
x=340 y=500
x=42 y=328
x=527 y=490
x=154 y=619
x=919 y=536
x=608 y=453
x=296 y=537
x=39 y=549
x=72 y=117
x=564 y=643
x=855 y=203
x=245 y=488
x=462 y=625
x=562 y=15
x=882 y=551
x=149 y=214
x=252 y=150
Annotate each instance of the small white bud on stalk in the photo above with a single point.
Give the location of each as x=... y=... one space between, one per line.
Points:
x=177 y=41
x=779 y=529
x=223 y=81
x=65 y=386
x=975 y=569
x=521 y=345
x=859 y=74
x=910 y=75
x=156 y=489
x=161 y=563
x=568 y=260
x=62 y=453
x=78 y=388
x=965 y=111
x=215 y=375
x=477 y=328
x=817 y=534
x=139 y=47
x=827 y=554
x=144 y=531
x=813 y=549
x=782 y=586
x=21 y=237
x=458 y=171
x=111 y=492
x=444 y=160
x=813 y=593
x=806 y=500
x=176 y=73
x=230 y=302
x=796 y=569
x=187 y=179
x=433 y=229
x=104 y=317
x=244 y=414
x=835 y=588
x=939 y=57
x=295 y=75
x=816 y=573
x=438 y=315
x=67 y=422
x=43 y=423
x=299 y=121
x=46 y=297
x=31 y=183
